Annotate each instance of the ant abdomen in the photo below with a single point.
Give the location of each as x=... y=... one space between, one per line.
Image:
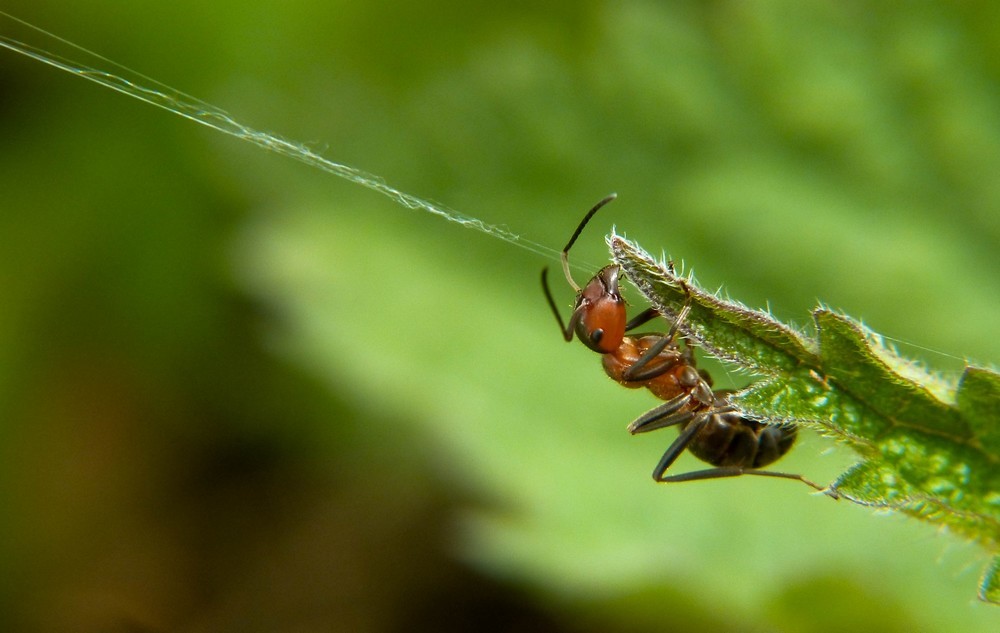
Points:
x=730 y=440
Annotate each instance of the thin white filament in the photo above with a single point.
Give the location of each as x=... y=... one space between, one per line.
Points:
x=196 y=110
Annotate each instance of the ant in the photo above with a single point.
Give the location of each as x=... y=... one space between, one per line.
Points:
x=710 y=427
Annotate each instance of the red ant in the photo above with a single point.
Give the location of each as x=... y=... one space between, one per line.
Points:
x=711 y=428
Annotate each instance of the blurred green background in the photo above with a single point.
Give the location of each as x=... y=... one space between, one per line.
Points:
x=237 y=394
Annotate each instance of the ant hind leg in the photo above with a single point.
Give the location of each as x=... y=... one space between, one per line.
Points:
x=734 y=471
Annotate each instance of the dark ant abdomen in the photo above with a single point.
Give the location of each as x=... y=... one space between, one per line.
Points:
x=731 y=440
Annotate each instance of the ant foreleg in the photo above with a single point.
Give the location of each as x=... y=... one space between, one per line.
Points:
x=681 y=317
x=632 y=373
x=645 y=316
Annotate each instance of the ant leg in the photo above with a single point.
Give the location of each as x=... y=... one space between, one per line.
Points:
x=733 y=471
x=632 y=373
x=667 y=414
x=681 y=317
x=566 y=328
x=678 y=446
x=645 y=316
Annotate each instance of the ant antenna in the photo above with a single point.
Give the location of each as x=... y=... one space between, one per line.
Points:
x=565 y=251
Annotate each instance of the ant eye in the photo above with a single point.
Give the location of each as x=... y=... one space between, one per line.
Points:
x=597 y=335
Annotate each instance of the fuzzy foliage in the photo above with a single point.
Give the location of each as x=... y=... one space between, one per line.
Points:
x=927 y=448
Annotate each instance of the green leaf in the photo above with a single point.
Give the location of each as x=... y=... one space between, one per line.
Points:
x=929 y=449
x=979 y=399
x=989 y=590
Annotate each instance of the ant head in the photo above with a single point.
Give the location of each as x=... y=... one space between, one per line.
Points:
x=600 y=312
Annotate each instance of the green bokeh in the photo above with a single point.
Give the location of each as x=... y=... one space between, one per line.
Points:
x=238 y=394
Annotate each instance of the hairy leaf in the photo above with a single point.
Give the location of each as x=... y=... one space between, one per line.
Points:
x=928 y=449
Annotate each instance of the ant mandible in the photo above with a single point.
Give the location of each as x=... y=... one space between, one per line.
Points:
x=710 y=427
